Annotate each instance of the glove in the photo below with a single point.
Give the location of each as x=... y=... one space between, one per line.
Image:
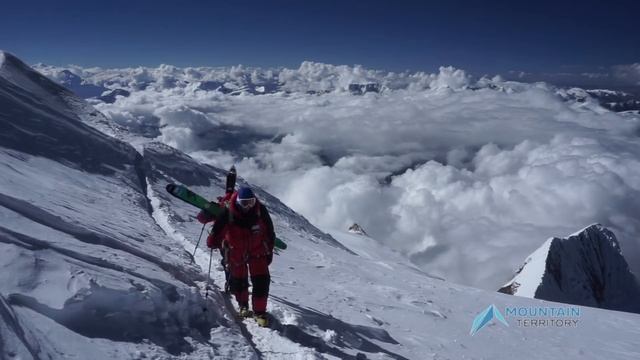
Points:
x=269 y=258
x=204 y=217
x=213 y=242
x=223 y=200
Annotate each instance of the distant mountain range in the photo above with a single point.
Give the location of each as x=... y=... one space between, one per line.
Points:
x=311 y=78
x=614 y=100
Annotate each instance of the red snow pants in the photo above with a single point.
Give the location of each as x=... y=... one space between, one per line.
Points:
x=258 y=269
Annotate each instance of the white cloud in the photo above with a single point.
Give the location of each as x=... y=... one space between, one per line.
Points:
x=466 y=182
x=513 y=197
x=449 y=77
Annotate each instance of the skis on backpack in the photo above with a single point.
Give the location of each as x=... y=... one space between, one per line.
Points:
x=183 y=193
x=231 y=180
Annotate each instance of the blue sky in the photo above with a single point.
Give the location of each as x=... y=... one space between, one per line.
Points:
x=479 y=36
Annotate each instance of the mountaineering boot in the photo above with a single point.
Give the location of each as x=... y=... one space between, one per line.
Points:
x=244 y=312
x=261 y=319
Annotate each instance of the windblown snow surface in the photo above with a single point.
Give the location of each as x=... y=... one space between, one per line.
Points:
x=453 y=171
x=94 y=263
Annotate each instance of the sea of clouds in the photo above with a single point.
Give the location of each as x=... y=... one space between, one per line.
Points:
x=467 y=177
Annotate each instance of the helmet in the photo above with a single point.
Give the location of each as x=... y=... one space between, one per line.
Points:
x=245 y=199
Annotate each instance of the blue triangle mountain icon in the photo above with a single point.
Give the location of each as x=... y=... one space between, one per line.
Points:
x=485 y=317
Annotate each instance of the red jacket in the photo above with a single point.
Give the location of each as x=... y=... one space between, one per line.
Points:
x=204 y=216
x=249 y=234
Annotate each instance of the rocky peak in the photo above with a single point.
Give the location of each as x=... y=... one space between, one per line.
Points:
x=586 y=268
x=357 y=229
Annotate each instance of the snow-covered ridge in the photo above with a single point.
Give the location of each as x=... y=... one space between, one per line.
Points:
x=530 y=275
x=82 y=268
x=585 y=268
x=86 y=269
x=20 y=75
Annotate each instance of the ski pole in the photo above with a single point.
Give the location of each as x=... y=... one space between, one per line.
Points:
x=206 y=293
x=193 y=257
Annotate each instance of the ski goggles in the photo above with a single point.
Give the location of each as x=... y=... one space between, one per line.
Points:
x=246 y=203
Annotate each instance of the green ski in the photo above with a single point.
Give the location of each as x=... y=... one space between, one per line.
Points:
x=188 y=196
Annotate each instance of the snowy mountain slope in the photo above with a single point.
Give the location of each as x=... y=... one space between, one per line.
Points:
x=85 y=270
x=586 y=268
x=50 y=107
x=93 y=265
